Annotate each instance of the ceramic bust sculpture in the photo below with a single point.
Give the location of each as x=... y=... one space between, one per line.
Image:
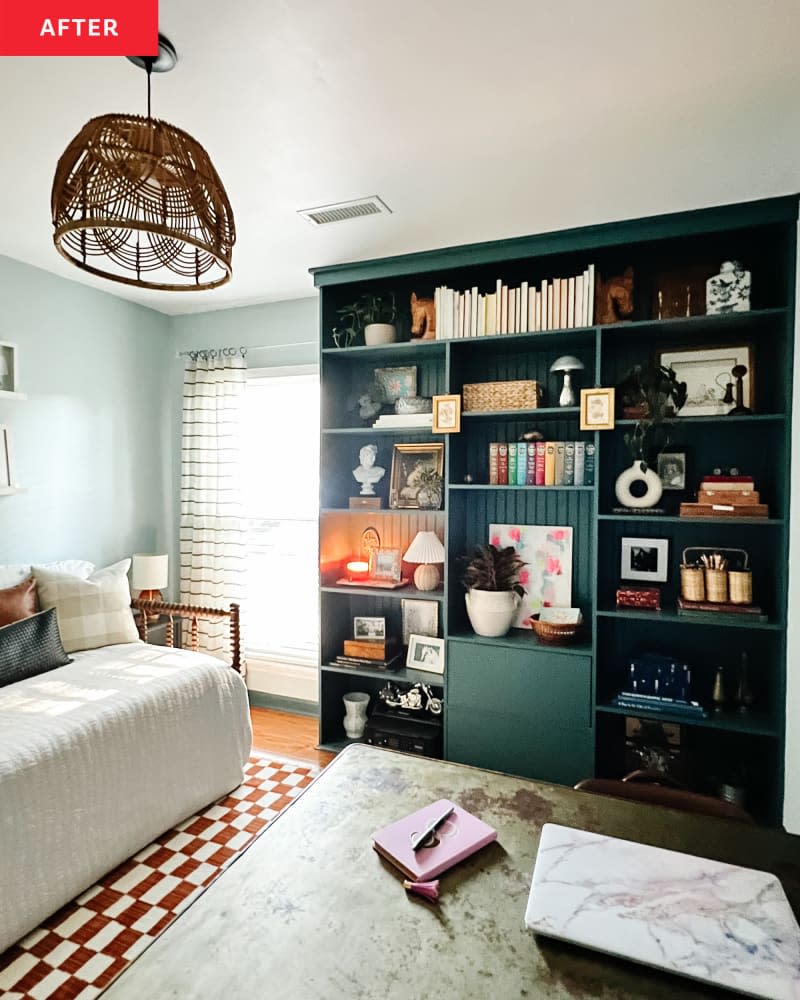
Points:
x=728 y=291
x=368 y=473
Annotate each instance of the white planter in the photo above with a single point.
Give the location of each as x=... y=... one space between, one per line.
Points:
x=379 y=333
x=651 y=480
x=491 y=612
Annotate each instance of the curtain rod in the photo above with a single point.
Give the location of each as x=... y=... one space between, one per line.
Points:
x=229 y=352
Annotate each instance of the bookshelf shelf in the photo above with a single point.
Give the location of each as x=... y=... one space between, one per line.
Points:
x=403 y=676
x=513 y=703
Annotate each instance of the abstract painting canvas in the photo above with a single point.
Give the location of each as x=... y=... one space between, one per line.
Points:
x=547 y=577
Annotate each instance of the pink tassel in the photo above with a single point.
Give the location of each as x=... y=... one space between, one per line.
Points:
x=428 y=890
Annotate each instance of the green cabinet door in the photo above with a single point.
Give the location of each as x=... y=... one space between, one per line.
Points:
x=522 y=711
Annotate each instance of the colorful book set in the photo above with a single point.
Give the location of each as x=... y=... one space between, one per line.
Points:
x=541 y=463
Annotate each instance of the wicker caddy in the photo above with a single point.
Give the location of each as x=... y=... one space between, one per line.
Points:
x=521 y=395
x=718 y=586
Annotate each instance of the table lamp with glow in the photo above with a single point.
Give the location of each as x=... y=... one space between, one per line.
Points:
x=149 y=574
x=426 y=549
x=567 y=364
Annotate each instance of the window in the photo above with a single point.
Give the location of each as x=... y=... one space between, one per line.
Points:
x=281 y=496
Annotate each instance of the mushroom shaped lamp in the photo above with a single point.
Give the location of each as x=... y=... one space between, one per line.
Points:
x=567 y=364
x=426 y=549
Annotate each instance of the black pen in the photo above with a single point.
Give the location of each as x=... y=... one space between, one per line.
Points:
x=431 y=828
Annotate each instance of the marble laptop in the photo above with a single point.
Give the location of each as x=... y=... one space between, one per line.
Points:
x=709 y=921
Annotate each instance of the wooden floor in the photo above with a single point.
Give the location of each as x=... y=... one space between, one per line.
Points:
x=287 y=735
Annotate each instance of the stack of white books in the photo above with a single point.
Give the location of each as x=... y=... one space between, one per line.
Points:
x=404 y=420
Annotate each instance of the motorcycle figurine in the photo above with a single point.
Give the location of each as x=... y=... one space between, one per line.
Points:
x=391 y=695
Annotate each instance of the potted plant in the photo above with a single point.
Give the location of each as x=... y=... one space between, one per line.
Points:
x=374 y=313
x=651 y=394
x=493 y=588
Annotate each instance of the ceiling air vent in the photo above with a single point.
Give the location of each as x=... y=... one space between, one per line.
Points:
x=345 y=210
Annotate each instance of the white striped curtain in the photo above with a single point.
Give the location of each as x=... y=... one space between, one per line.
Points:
x=213 y=531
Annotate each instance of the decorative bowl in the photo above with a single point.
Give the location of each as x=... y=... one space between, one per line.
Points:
x=414 y=404
x=552 y=632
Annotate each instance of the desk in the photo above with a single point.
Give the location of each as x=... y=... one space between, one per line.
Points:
x=311 y=912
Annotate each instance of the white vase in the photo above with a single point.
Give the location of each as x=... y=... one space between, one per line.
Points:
x=651 y=480
x=355 y=719
x=491 y=612
x=379 y=333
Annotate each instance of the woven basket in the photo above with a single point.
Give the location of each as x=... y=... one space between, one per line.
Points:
x=521 y=395
x=716 y=585
x=555 y=633
x=740 y=586
x=693 y=584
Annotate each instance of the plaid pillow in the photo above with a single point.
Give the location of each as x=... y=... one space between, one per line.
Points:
x=92 y=612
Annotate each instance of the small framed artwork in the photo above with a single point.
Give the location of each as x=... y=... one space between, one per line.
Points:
x=419 y=618
x=8 y=367
x=446 y=414
x=710 y=383
x=6 y=462
x=409 y=461
x=644 y=559
x=385 y=564
x=396 y=383
x=597 y=409
x=369 y=628
x=671 y=469
x=425 y=652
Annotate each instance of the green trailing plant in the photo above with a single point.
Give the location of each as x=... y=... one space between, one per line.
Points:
x=653 y=394
x=493 y=568
x=368 y=308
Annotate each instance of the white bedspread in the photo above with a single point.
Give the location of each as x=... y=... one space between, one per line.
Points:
x=99 y=757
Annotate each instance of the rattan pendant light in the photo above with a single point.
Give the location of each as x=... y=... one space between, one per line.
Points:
x=138 y=200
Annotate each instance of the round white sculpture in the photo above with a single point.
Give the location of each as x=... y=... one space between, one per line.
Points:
x=634 y=474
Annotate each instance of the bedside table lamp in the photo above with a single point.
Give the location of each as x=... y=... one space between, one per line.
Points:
x=425 y=550
x=149 y=574
x=567 y=364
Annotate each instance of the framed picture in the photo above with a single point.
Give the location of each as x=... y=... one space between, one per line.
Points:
x=671 y=469
x=547 y=574
x=425 y=653
x=419 y=618
x=6 y=464
x=597 y=409
x=446 y=414
x=385 y=564
x=408 y=462
x=8 y=367
x=394 y=383
x=644 y=559
x=707 y=374
x=369 y=628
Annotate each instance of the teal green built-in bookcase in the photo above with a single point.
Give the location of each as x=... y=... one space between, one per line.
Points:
x=513 y=704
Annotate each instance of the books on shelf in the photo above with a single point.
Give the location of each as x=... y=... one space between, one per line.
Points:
x=458 y=837
x=541 y=463
x=355 y=662
x=559 y=304
x=404 y=420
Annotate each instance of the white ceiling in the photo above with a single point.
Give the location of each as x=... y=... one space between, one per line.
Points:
x=471 y=120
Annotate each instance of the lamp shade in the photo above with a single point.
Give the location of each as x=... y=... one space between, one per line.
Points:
x=567 y=363
x=149 y=572
x=426 y=548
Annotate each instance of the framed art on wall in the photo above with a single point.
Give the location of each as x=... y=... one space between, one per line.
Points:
x=597 y=409
x=547 y=575
x=8 y=367
x=707 y=372
x=446 y=414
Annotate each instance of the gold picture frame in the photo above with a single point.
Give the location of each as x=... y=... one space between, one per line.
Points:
x=385 y=564
x=597 y=409
x=407 y=461
x=446 y=414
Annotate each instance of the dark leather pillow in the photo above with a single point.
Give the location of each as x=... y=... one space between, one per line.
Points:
x=18 y=602
x=29 y=647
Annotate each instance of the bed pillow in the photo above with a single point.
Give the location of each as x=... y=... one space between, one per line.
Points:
x=18 y=602
x=29 y=647
x=11 y=575
x=92 y=612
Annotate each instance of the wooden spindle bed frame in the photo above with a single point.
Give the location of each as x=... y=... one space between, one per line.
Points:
x=194 y=614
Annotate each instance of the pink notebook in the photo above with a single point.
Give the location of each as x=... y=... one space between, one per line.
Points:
x=460 y=835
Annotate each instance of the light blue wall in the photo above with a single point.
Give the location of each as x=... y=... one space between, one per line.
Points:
x=88 y=440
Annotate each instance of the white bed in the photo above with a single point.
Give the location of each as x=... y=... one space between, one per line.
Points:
x=99 y=757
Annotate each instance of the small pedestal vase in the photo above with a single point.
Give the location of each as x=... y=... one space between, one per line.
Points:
x=355 y=719
x=649 y=479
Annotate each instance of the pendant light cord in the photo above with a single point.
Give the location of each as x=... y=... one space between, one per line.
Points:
x=148 y=65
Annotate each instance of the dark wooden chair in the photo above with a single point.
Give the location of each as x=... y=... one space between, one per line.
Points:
x=659 y=789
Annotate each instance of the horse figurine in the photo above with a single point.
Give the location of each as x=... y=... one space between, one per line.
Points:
x=614 y=297
x=423 y=318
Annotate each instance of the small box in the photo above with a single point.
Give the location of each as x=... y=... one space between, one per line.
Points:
x=371 y=649
x=639 y=597
x=365 y=503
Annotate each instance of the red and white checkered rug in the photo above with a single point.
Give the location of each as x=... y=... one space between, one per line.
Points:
x=79 y=951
